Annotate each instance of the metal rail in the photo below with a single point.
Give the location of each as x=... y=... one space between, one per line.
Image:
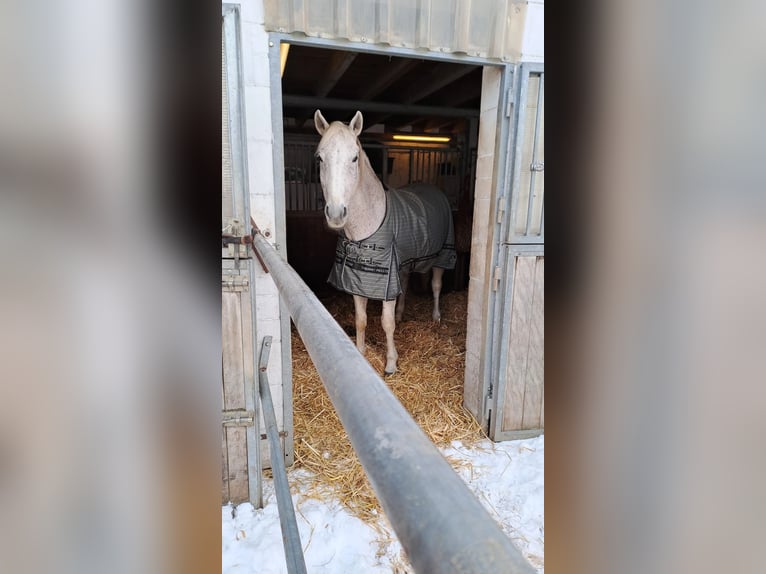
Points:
x=439 y=522
x=290 y=537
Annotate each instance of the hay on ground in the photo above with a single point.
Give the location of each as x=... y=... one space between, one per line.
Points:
x=429 y=383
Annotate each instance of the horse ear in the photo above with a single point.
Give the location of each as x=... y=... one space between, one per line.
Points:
x=356 y=123
x=320 y=123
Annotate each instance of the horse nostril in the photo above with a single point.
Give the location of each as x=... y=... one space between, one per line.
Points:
x=345 y=211
x=327 y=211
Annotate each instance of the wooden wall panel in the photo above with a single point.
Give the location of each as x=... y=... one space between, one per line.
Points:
x=516 y=368
x=234 y=394
x=533 y=395
x=524 y=384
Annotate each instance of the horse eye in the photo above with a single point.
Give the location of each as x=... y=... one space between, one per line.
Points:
x=356 y=157
x=318 y=158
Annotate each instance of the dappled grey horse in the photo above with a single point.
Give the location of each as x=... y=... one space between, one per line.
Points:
x=383 y=235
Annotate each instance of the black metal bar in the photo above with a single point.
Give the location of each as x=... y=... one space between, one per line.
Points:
x=439 y=522
x=290 y=536
x=289 y=100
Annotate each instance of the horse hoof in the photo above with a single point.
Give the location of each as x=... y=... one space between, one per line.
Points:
x=388 y=373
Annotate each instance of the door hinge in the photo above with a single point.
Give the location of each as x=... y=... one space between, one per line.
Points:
x=488 y=404
x=496 y=278
x=500 y=208
x=509 y=103
x=537 y=166
x=238 y=418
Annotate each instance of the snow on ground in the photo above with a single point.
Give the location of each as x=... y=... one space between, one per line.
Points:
x=506 y=477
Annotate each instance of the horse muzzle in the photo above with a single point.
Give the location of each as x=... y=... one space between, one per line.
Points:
x=336 y=215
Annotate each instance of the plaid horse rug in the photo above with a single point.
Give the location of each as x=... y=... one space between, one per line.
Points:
x=416 y=234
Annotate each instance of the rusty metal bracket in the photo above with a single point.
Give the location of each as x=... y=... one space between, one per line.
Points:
x=229 y=239
x=253 y=230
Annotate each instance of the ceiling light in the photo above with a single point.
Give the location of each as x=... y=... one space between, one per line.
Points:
x=409 y=138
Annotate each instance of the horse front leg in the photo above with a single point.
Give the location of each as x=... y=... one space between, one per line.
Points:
x=404 y=278
x=389 y=325
x=360 y=316
x=436 y=287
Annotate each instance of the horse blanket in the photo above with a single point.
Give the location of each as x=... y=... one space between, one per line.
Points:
x=416 y=234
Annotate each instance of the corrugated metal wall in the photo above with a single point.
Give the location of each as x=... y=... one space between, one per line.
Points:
x=474 y=27
x=227 y=197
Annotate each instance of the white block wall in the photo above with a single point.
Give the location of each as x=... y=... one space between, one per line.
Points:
x=527 y=38
x=256 y=87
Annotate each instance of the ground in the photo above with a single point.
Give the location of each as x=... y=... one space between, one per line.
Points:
x=342 y=526
x=506 y=477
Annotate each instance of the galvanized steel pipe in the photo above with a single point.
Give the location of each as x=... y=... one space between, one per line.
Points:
x=291 y=539
x=439 y=522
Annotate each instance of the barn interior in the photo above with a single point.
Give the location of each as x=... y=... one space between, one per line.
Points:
x=420 y=125
x=438 y=103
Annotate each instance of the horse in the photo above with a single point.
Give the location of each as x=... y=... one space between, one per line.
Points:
x=383 y=235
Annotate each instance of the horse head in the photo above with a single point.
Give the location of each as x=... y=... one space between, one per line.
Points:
x=339 y=153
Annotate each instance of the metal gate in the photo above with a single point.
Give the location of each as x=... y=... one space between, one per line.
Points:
x=240 y=440
x=517 y=401
x=398 y=166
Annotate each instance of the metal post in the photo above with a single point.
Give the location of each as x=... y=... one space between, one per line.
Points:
x=439 y=522
x=290 y=537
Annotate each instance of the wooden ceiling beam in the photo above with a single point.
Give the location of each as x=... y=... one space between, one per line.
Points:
x=438 y=77
x=391 y=74
x=460 y=97
x=337 y=66
x=434 y=81
x=439 y=123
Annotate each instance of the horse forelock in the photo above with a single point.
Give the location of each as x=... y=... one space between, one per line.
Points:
x=336 y=135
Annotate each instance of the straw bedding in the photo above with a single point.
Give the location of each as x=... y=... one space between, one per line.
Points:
x=429 y=383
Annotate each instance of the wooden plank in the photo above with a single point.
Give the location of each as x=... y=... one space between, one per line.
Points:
x=234 y=394
x=518 y=350
x=533 y=395
x=236 y=442
x=233 y=363
x=246 y=329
